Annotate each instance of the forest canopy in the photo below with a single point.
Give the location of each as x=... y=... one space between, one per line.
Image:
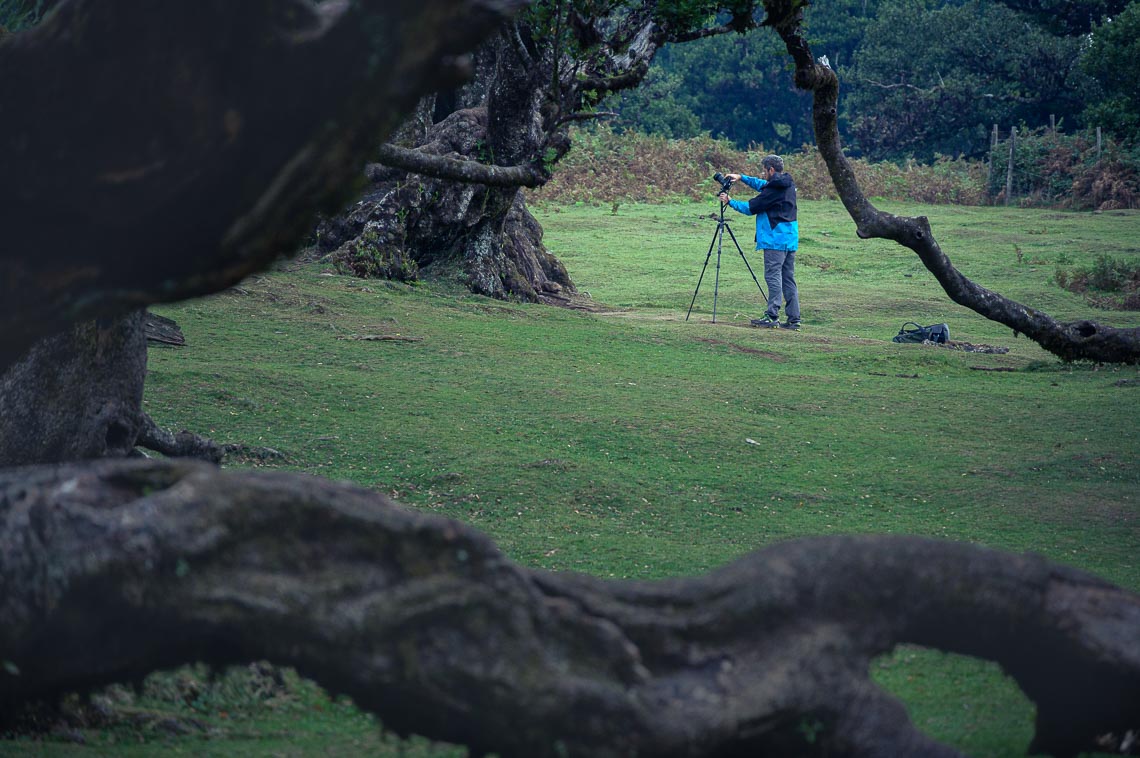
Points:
x=920 y=79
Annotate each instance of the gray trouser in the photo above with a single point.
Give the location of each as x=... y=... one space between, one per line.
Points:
x=780 y=274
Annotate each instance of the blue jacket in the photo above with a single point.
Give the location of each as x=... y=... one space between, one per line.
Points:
x=775 y=212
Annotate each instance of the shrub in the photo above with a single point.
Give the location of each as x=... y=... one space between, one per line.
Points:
x=605 y=167
x=1051 y=168
x=371 y=256
x=18 y=15
x=1109 y=283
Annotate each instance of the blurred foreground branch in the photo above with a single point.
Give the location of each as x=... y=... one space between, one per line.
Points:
x=425 y=623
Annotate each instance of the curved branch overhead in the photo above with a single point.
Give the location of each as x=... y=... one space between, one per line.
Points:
x=151 y=167
x=444 y=167
x=1079 y=340
x=424 y=622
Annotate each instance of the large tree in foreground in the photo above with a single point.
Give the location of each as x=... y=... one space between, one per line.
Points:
x=171 y=149
x=111 y=569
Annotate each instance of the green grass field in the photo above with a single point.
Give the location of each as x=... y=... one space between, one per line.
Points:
x=633 y=443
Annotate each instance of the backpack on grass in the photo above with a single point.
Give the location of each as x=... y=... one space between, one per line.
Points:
x=936 y=333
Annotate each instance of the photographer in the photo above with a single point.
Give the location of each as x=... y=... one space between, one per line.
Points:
x=777 y=234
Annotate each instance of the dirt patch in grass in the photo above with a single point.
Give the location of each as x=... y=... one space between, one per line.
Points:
x=575 y=301
x=743 y=349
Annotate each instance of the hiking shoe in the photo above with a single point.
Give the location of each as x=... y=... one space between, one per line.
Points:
x=793 y=325
x=766 y=323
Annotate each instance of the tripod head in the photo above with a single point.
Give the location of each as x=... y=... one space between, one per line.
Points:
x=725 y=185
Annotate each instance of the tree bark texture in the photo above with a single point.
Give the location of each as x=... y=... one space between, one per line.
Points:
x=78 y=395
x=425 y=623
x=156 y=151
x=1079 y=340
x=75 y=395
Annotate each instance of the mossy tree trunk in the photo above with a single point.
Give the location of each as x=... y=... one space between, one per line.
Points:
x=451 y=200
x=481 y=234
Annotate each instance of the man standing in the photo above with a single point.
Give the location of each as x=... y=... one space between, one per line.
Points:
x=777 y=234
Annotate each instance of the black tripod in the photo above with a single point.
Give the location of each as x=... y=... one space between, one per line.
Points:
x=717 y=240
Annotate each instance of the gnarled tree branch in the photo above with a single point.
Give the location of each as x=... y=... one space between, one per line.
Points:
x=424 y=622
x=1080 y=340
x=711 y=31
x=443 y=167
x=624 y=80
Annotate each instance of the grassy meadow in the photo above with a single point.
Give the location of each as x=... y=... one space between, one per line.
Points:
x=629 y=442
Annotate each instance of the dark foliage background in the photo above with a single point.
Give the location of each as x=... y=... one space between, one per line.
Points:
x=920 y=78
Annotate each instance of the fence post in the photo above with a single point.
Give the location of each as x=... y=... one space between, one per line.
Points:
x=1009 y=172
x=990 y=162
x=1098 y=144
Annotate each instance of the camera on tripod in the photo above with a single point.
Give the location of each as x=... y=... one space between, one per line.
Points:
x=724 y=182
x=718 y=242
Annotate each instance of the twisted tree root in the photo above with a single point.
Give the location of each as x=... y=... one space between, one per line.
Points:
x=425 y=623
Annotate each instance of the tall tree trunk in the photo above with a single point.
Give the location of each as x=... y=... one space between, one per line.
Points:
x=78 y=395
x=482 y=234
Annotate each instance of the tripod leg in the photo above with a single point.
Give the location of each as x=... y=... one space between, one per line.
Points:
x=702 y=276
x=716 y=282
x=746 y=264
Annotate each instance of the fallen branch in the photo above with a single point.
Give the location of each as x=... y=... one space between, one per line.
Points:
x=162 y=331
x=382 y=338
x=424 y=622
x=184 y=444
